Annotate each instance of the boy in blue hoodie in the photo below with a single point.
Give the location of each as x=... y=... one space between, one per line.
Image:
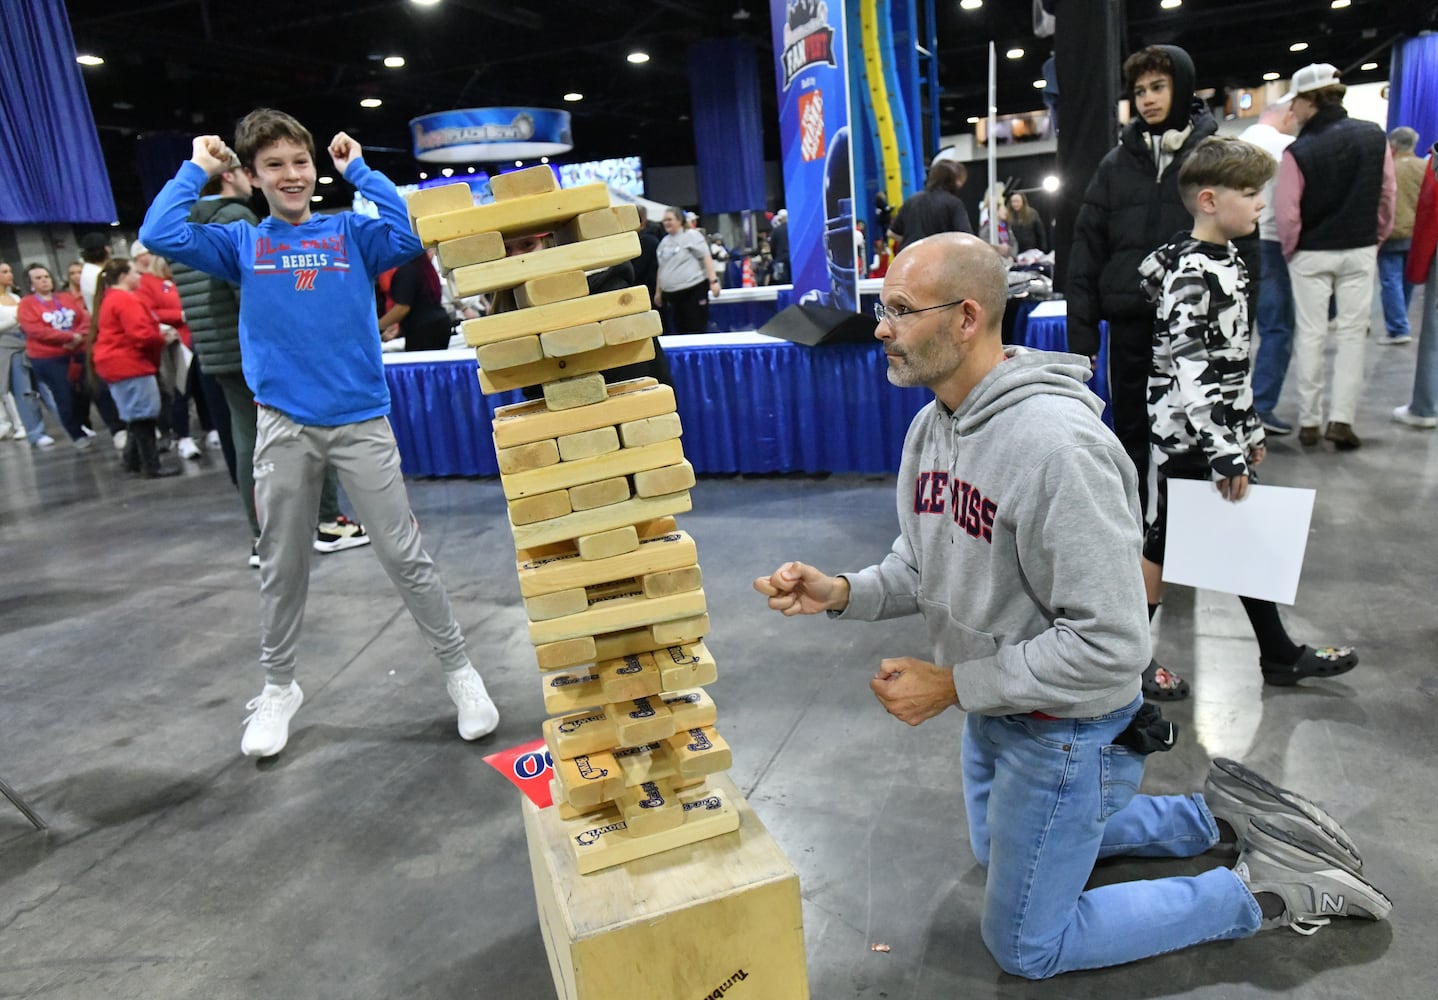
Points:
x=1018 y=547
x=1202 y=424
x=311 y=346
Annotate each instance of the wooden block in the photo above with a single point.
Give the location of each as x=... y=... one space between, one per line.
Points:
x=607 y=544
x=649 y=809
x=612 y=645
x=682 y=667
x=591 y=255
x=573 y=340
x=556 y=368
x=655 y=553
x=674 y=581
x=664 y=427
x=588 y=780
x=510 y=354
x=590 y=522
x=568 y=812
x=655 y=527
x=528 y=457
x=720 y=918
x=520 y=423
x=538 y=508
x=580 y=390
x=632 y=677
x=551 y=288
x=616 y=588
x=579 y=734
x=627 y=329
x=578 y=689
x=438 y=200
x=618 y=613
x=514 y=217
x=628 y=216
x=657 y=482
x=569 y=653
x=692 y=709
x=556 y=605
x=642 y=720
x=477 y=249
x=587 y=444
x=557 y=316
x=600 y=494
x=589 y=226
x=519 y=183
x=649 y=762
x=680 y=632
x=578 y=471
x=699 y=751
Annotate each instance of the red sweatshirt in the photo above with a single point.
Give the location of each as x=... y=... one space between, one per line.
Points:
x=163 y=298
x=51 y=323
x=128 y=340
x=1425 y=227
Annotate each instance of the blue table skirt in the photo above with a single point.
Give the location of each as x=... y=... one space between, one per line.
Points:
x=755 y=408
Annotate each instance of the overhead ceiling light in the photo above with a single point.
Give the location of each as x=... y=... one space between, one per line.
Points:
x=471 y=170
x=574 y=95
x=89 y=60
x=1170 y=4
x=1270 y=76
x=448 y=171
x=1298 y=47
x=1051 y=182
x=544 y=159
x=115 y=223
x=423 y=176
x=1015 y=53
x=123 y=106
x=326 y=179
x=1040 y=84
x=424 y=3
x=1365 y=67
x=394 y=62
x=638 y=57
x=317 y=197
x=973 y=119
x=742 y=14
x=971 y=4
x=371 y=102
x=519 y=163
x=1340 y=4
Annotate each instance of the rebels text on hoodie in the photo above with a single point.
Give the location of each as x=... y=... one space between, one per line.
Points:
x=308 y=327
x=1019 y=545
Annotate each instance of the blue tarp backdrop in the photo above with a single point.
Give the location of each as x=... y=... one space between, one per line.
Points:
x=51 y=169
x=1413 y=90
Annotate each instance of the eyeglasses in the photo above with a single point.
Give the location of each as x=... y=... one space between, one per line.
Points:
x=896 y=313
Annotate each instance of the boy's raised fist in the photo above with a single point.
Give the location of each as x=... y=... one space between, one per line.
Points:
x=210 y=153
x=344 y=151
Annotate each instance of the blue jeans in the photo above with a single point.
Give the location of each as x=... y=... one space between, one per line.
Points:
x=1275 y=327
x=1394 y=291
x=1425 y=373
x=1048 y=798
x=27 y=401
x=54 y=373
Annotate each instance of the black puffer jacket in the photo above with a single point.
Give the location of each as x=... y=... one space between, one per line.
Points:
x=212 y=306
x=1128 y=211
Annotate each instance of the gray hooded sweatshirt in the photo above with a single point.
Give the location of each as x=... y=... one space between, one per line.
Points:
x=1019 y=543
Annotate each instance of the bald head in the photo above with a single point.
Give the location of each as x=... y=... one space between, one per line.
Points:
x=959 y=266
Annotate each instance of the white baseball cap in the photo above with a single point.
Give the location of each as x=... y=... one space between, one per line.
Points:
x=1314 y=76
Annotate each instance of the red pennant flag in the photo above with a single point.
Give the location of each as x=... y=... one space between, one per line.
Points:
x=530 y=767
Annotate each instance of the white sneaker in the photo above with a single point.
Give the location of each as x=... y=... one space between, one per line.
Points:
x=86 y=431
x=212 y=440
x=267 y=729
x=188 y=448
x=477 y=714
x=83 y=443
x=44 y=442
x=18 y=434
x=1402 y=415
x=119 y=439
x=340 y=534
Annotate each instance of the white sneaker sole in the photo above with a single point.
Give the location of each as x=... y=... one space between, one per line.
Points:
x=252 y=751
x=339 y=545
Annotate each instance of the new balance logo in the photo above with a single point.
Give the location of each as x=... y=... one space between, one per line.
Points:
x=1330 y=904
x=305 y=279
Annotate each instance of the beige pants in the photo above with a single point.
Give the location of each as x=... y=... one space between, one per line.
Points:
x=1347 y=276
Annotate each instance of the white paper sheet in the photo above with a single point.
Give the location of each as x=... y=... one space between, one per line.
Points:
x=1254 y=547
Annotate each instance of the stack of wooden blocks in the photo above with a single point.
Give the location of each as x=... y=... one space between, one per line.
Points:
x=593 y=474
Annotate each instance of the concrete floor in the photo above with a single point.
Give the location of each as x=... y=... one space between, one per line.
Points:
x=380 y=857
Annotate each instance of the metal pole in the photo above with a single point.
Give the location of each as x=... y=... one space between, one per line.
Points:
x=993 y=143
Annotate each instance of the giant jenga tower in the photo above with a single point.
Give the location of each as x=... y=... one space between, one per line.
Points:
x=594 y=474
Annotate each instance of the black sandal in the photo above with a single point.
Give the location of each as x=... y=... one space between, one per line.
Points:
x=1313 y=661
x=1162 y=684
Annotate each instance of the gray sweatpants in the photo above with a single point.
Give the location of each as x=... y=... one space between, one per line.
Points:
x=289 y=466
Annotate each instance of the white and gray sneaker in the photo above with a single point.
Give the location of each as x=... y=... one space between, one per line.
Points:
x=1314 y=887
x=340 y=534
x=1238 y=795
x=267 y=729
x=477 y=714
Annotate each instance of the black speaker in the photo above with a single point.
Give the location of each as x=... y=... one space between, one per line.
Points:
x=815 y=325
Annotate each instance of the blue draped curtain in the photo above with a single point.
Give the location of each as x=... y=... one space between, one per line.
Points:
x=728 y=124
x=51 y=169
x=1413 y=89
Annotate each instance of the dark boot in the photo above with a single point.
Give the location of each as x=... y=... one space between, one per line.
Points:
x=150 y=467
x=130 y=458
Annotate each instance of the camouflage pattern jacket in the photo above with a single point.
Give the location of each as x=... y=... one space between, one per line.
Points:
x=1200 y=401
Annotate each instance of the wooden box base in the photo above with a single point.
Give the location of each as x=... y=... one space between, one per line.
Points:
x=718 y=918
